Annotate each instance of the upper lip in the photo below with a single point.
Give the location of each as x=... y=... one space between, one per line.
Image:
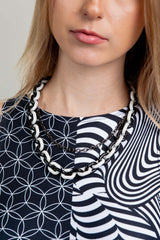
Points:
x=88 y=33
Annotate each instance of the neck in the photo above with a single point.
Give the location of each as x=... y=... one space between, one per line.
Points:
x=75 y=90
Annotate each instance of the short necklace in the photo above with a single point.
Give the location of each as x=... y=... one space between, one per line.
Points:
x=82 y=149
x=55 y=168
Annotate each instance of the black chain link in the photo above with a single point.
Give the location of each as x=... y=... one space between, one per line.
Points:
x=115 y=134
x=118 y=128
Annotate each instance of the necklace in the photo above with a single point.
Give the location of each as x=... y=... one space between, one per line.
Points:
x=84 y=149
x=55 y=168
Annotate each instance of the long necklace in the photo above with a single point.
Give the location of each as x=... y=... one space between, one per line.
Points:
x=55 y=168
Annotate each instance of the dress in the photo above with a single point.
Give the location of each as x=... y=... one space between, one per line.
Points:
x=119 y=201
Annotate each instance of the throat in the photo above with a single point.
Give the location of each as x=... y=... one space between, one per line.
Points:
x=82 y=103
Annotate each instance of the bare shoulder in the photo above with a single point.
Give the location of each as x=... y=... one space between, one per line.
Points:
x=1 y=105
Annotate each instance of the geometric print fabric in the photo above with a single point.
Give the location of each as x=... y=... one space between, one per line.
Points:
x=37 y=205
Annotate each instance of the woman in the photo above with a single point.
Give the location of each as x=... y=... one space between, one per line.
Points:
x=74 y=166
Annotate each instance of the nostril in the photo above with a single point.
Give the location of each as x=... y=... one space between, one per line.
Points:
x=87 y=15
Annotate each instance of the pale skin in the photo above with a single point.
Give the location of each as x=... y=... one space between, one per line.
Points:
x=89 y=79
x=1 y=104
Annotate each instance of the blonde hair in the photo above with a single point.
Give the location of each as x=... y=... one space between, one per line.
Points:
x=142 y=66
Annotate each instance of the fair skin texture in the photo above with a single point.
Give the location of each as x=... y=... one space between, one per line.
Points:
x=89 y=78
x=1 y=104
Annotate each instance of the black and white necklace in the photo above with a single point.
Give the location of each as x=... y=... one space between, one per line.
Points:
x=55 y=168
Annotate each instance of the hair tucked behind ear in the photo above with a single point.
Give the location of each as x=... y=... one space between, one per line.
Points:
x=142 y=66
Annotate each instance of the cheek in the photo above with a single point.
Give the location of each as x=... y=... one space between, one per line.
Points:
x=54 y=18
x=57 y=16
x=128 y=29
x=127 y=20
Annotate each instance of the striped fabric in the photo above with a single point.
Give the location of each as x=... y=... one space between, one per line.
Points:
x=119 y=201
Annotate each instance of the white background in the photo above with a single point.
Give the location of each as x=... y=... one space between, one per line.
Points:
x=15 y=21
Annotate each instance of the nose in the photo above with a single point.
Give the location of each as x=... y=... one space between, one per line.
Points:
x=92 y=9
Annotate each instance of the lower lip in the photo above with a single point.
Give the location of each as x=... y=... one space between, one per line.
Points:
x=89 y=39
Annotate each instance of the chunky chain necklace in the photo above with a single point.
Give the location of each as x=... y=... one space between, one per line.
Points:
x=82 y=149
x=70 y=173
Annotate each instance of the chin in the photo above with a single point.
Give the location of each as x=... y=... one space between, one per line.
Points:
x=88 y=62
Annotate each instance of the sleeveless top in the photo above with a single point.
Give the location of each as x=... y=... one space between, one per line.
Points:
x=119 y=201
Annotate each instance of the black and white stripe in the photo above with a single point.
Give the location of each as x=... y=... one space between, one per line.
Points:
x=120 y=201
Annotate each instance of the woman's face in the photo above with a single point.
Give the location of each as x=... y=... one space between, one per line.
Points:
x=95 y=32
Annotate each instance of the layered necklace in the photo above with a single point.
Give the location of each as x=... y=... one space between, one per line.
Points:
x=70 y=173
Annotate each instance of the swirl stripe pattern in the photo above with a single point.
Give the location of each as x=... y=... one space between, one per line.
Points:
x=119 y=201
